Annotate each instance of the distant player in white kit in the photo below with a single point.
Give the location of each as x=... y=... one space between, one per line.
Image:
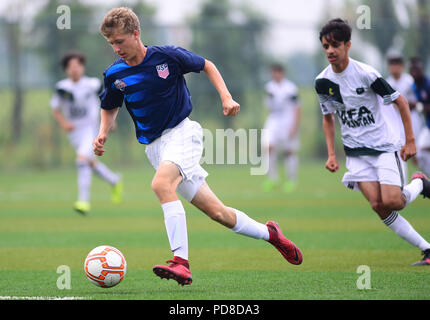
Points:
x=402 y=82
x=360 y=98
x=76 y=107
x=282 y=127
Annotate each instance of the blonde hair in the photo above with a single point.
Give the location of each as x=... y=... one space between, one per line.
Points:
x=122 y=19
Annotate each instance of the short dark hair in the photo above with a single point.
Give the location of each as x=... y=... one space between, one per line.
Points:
x=277 y=67
x=396 y=60
x=416 y=60
x=72 y=55
x=336 y=29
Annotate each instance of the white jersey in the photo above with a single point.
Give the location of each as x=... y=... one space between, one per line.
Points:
x=282 y=101
x=78 y=101
x=403 y=85
x=361 y=98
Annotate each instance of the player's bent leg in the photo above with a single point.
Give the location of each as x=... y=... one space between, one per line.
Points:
x=392 y=219
x=392 y=197
x=164 y=184
x=240 y=223
x=165 y=181
x=208 y=202
x=371 y=190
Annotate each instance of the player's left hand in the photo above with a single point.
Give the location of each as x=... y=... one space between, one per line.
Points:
x=230 y=107
x=408 y=151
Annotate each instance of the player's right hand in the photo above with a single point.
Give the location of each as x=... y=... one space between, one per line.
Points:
x=98 y=145
x=68 y=127
x=230 y=107
x=332 y=165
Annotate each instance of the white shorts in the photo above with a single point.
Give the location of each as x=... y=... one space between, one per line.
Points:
x=423 y=141
x=82 y=138
x=386 y=168
x=277 y=135
x=182 y=145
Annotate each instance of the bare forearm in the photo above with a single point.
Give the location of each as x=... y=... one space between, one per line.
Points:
x=329 y=133
x=107 y=120
x=59 y=117
x=216 y=79
x=405 y=114
x=230 y=107
x=297 y=120
x=66 y=125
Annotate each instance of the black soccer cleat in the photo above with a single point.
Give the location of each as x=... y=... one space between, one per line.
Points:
x=426 y=183
x=425 y=261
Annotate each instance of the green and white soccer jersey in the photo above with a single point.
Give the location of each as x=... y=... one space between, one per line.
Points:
x=78 y=101
x=80 y=105
x=362 y=99
x=282 y=103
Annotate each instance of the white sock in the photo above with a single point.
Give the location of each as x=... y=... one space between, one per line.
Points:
x=291 y=166
x=105 y=173
x=412 y=190
x=272 y=172
x=176 y=226
x=249 y=227
x=84 y=180
x=404 y=230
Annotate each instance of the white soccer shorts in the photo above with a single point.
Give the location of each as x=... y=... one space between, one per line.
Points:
x=277 y=130
x=182 y=145
x=82 y=138
x=386 y=168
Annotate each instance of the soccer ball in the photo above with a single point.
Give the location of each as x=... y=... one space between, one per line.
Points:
x=105 y=266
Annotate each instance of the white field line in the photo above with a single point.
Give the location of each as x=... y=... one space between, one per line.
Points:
x=40 y=298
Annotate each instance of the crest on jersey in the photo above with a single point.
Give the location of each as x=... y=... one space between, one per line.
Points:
x=163 y=70
x=120 y=84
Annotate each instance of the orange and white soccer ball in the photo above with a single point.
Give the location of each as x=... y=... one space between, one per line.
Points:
x=105 y=266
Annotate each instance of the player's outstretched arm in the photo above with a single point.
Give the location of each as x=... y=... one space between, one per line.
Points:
x=230 y=107
x=329 y=133
x=409 y=149
x=107 y=122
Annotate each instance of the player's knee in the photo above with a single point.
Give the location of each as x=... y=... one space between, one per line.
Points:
x=377 y=205
x=161 y=187
x=393 y=203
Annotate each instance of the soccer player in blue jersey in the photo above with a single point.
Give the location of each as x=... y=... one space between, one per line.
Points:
x=150 y=80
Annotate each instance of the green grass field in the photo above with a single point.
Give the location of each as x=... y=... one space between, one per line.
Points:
x=334 y=227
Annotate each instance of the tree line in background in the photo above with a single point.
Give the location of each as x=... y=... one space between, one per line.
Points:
x=220 y=31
